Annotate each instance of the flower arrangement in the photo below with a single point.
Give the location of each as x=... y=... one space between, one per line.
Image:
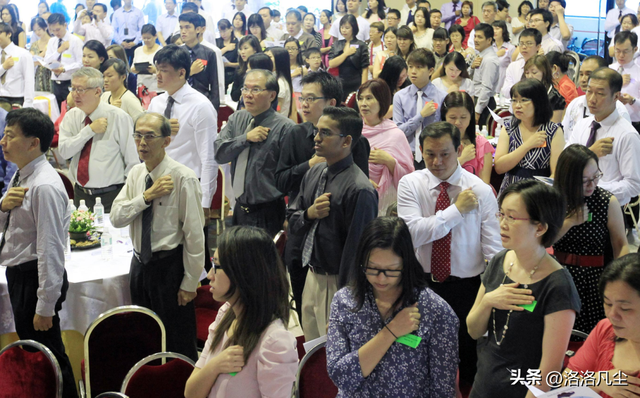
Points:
x=81 y=222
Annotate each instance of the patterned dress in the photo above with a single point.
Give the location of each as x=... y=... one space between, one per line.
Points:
x=588 y=239
x=536 y=162
x=429 y=370
x=42 y=74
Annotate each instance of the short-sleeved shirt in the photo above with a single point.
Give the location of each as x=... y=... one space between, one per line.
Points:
x=521 y=347
x=475 y=165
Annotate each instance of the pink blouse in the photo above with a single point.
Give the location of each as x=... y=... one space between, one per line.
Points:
x=270 y=370
x=483 y=146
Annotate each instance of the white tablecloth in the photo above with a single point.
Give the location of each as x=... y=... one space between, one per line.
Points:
x=95 y=286
x=46 y=103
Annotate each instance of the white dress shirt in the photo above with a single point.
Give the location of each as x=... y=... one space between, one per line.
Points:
x=220 y=64
x=404 y=14
x=166 y=24
x=512 y=76
x=475 y=236
x=363 y=29
x=38 y=230
x=633 y=88
x=20 y=78
x=621 y=168
x=113 y=153
x=485 y=78
x=505 y=59
x=274 y=33
x=612 y=20
x=96 y=30
x=550 y=43
x=177 y=217
x=230 y=11
x=129 y=103
x=578 y=110
x=71 y=59
x=556 y=34
x=193 y=145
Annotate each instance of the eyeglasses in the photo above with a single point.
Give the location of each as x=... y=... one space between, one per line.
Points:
x=536 y=20
x=80 y=90
x=315 y=58
x=388 y=273
x=527 y=44
x=522 y=101
x=309 y=100
x=291 y=49
x=593 y=180
x=147 y=137
x=216 y=267
x=508 y=219
x=392 y=18
x=253 y=91
x=324 y=133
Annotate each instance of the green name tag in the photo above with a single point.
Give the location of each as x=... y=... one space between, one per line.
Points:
x=410 y=340
x=529 y=307
x=589 y=219
x=233 y=373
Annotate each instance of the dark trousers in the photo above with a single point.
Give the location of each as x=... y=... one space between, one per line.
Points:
x=485 y=115
x=13 y=100
x=61 y=90
x=155 y=285
x=461 y=294
x=106 y=198
x=269 y=216
x=298 y=276
x=22 y=281
x=130 y=51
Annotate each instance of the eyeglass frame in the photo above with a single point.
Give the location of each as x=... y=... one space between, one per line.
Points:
x=329 y=134
x=509 y=219
x=527 y=45
x=594 y=180
x=253 y=91
x=310 y=99
x=215 y=267
x=521 y=101
x=147 y=137
x=80 y=91
x=383 y=272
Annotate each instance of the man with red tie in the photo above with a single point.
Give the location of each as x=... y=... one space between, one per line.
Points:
x=97 y=138
x=451 y=214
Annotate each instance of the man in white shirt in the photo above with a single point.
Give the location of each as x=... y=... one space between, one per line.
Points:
x=64 y=49
x=272 y=31
x=560 y=30
x=17 y=79
x=450 y=12
x=451 y=214
x=610 y=136
x=489 y=14
x=234 y=7
x=161 y=205
x=353 y=8
x=626 y=44
x=35 y=215
x=194 y=121
x=96 y=137
x=614 y=15
x=127 y=27
x=293 y=20
x=530 y=40
x=578 y=109
x=167 y=22
x=486 y=74
x=542 y=20
x=210 y=26
x=99 y=29
x=408 y=12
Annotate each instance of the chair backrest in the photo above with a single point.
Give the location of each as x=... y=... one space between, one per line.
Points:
x=67 y=184
x=217 y=202
x=574 y=346
x=492 y=125
x=223 y=115
x=313 y=379
x=28 y=373
x=280 y=241
x=167 y=380
x=573 y=66
x=111 y=394
x=351 y=101
x=116 y=341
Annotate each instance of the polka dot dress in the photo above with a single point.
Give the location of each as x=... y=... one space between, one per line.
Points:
x=588 y=239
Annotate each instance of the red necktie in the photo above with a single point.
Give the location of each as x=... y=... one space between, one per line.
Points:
x=83 y=163
x=441 y=249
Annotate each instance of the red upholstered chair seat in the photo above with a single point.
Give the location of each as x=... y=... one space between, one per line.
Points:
x=206 y=311
x=166 y=381
x=300 y=346
x=314 y=379
x=26 y=374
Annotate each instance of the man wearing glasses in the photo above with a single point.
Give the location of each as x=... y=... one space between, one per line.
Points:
x=542 y=20
x=451 y=215
x=393 y=18
x=529 y=46
x=161 y=205
x=298 y=155
x=96 y=137
x=335 y=203
x=251 y=141
x=625 y=46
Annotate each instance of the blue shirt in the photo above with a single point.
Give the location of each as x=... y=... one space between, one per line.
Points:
x=58 y=7
x=429 y=370
x=405 y=114
x=167 y=25
x=132 y=20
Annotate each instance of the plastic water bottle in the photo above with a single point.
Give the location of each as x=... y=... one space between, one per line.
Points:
x=83 y=206
x=72 y=206
x=477 y=130
x=107 y=245
x=98 y=210
x=484 y=132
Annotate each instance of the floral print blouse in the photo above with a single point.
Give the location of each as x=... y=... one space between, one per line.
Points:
x=426 y=371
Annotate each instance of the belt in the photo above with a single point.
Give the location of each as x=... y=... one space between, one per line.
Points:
x=98 y=191
x=318 y=270
x=27 y=267
x=449 y=279
x=529 y=173
x=247 y=208
x=62 y=81
x=578 y=260
x=159 y=255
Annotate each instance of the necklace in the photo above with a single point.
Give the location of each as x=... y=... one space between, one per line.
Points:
x=526 y=286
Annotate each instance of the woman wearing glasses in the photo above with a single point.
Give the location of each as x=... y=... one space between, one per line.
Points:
x=530 y=143
x=527 y=302
x=388 y=298
x=592 y=214
x=249 y=352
